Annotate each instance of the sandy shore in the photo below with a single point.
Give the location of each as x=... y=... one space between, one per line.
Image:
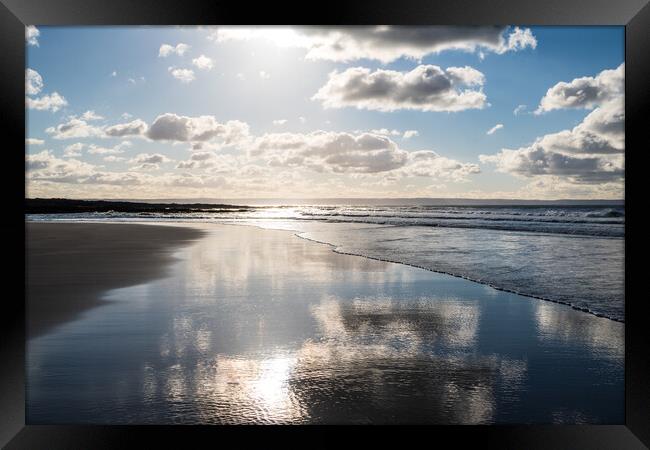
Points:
x=260 y=326
x=70 y=264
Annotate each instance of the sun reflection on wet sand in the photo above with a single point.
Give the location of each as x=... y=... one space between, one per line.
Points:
x=259 y=326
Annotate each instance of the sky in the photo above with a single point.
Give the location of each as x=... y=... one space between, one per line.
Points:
x=312 y=112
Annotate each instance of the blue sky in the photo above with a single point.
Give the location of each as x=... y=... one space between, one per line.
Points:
x=120 y=74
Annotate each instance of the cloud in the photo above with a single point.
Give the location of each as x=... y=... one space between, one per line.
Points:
x=51 y=102
x=45 y=166
x=386 y=132
x=363 y=153
x=184 y=75
x=33 y=82
x=203 y=62
x=408 y=134
x=115 y=150
x=34 y=85
x=31 y=35
x=280 y=122
x=519 y=109
x=591 y=152
x=585 y=92
x=518 y=39
x=264 y=75
x=117 y=179
x=134 y=128
x=495 y=128
x=187 y=180
x=338 y=152
x=91 y=115
x=425 y=88
x=385 y=43
x=114 y=73
x=154 y=158
x=74 y=128
x=166 y=50
x=113 y=158
x=126 y=116
x=147 y=161
x=532 y=161
x=210 y=160
x=73 y=150
x=32 y=141
x=426 y=163
x=172 y=127
x=134 y=81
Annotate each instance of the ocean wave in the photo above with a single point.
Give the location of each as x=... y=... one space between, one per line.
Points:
x=574 y=304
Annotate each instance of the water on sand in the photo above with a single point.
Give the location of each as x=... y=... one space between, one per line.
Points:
x=260 y=326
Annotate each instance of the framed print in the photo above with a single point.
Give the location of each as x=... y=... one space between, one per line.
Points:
x=374 y=214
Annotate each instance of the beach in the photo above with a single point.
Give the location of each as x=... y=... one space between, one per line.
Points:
x=70 y=265
x=207 y=324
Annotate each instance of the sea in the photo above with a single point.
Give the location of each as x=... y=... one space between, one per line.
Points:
x=565 y=252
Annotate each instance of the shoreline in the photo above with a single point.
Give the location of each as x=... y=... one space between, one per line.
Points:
x=189 y=225
x=484 y=283
x=70 y=266
x=251 y=325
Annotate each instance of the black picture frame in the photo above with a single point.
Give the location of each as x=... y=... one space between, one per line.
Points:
x=15 y=14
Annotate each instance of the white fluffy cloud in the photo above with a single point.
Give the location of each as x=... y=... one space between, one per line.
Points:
x=184 y=75
x=226 y=164
x=280 y=122
x=385 y=43
x=364 y=153
x=425 y=88
x=203 y=62
x=340 y=152
x=33 y=141
x=33 y=82
x=134 y=128
x=115 y=150
x=494 y=129
x=31 y=35
x=591 y=152
x=172 y=127
x=150 y=158
x=73 y=150
x=408 y=134
x=426 y=163
x=585 y=92
x=91 y=115
x=75 y=128
x=51 y=102
x=386 y=132
x=166 y=50
x=113 y=158
x=148 y=161
x=33 y=86
x=519 y=110
x=45 y=167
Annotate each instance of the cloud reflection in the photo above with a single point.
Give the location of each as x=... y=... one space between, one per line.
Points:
x=602 y=337
x=371 y=360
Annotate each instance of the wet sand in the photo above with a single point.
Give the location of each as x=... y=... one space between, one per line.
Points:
x=69 y=265
x=261 y=326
